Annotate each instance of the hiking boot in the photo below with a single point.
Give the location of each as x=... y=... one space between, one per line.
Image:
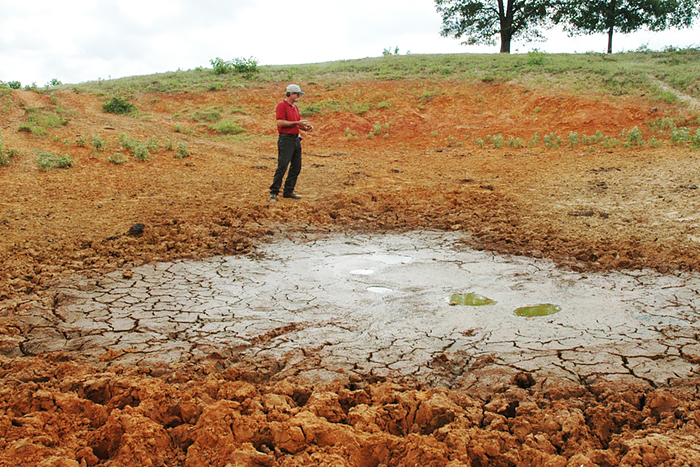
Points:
x=273 y=198
x=293 y=196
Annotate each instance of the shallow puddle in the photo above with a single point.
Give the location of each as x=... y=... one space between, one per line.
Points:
x=470 y=299
x=380 y=305
x=544 y=309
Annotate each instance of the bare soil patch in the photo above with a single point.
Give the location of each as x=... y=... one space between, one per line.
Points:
x=599 y=209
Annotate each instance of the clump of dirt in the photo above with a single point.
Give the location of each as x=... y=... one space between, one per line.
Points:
x=61 y=413
x=385 y=156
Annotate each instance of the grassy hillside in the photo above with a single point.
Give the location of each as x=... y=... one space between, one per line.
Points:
x=634 y=73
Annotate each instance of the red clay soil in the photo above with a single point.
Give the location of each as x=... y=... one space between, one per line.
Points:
x=385 y=156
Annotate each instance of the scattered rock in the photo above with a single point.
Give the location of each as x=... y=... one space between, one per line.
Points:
x=136 y=230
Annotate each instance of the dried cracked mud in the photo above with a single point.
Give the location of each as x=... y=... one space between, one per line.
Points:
x=320 y=331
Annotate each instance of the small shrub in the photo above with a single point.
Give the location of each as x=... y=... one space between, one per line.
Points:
x=209 y=115
x=117 y=158
x=654 y=143
x=47 y=161
x=497 y=141
x=227 y=127
x=127 y=142
x=359 y=108
x=634 y=137
x=53 y=82
x=241 y=65
x=14 y=84
x=4 y=158
x=119 y=106
x=350 y=134
x=516 y=143
x=590 y=140
x=177 y=128
x=552 y=140
x=220 y=66
x=535 y=57
x=81 y=142
x=245 y=65
x=574 y=139
x=383 y=105
x=182 y=151
x=680 y=136
x=378 y=128
x=695 y=140
x=610 y=143
x=168 y=144
x=480 y=142
x=535 y=140
x=141 y=153
x=153 y=144
x=98 y=144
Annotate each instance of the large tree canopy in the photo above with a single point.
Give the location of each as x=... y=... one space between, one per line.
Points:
x=480 y=22
x=623 y=16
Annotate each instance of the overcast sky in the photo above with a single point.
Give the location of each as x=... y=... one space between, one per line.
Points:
x=83 y=40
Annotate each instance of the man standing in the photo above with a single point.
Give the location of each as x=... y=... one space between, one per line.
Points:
x=289 y=123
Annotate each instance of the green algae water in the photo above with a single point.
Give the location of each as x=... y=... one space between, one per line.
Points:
x=538 y=310
x=470 y=299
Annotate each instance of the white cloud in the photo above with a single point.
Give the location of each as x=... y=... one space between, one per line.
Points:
x=77 y=41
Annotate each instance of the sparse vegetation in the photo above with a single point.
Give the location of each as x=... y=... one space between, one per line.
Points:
x=119 y=106
x=240 y=65
x=117 y=158
x=622 y=73
x=98 y=144
x=48 y=161
x=182 y=150
x=227 y=127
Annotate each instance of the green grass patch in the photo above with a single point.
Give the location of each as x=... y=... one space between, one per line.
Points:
x=227 y=127
x=207 y=115
x=47 y=161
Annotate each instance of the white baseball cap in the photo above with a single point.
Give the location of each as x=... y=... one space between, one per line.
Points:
x=294 y=88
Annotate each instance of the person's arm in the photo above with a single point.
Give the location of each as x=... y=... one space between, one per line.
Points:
x=303 y=124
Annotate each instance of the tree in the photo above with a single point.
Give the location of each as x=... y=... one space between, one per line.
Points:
x=623 y=16
x=481 y=21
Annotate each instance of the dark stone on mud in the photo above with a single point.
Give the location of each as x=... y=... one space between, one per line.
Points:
x=524 y=380
x=136 y=230
x=582 y=213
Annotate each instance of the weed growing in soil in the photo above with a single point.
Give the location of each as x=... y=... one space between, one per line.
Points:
x=153 y=144
x=552 y=140
x=141 y=153
x=574 y=139
x=515 y=143
x=241 y=65
x=209 y=115
x=168 y=144
x=633 y=138
x=117 y=158
x=182 y=151
x=227 y=127
x=119 y=106
x=48 y=161
x=98 y=144
x=4 y=154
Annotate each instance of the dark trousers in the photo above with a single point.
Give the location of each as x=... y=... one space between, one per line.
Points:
x=289 y=155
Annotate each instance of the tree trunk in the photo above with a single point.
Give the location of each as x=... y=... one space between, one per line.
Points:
x=610 y=20
x=505 y=42
x=505 y=17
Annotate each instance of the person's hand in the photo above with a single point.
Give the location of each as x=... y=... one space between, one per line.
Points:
x=306 y=126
